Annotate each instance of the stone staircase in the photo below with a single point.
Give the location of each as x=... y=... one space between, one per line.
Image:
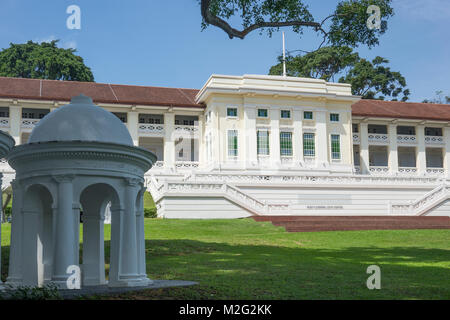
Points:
x=214 y=189
x=424 y=204
x=344 y=223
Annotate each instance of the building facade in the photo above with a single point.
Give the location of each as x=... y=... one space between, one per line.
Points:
x=264 y=145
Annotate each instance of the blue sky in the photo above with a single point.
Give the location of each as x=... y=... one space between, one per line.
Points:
x=160 y=43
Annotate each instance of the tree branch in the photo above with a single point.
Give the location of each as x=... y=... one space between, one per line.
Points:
x=209 y=18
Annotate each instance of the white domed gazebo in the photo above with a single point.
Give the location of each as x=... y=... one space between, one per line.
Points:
x=79 y=156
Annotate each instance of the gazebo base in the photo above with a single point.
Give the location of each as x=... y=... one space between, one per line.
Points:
x=130 y=283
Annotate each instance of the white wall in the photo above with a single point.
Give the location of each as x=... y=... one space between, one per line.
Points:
x=200 y=208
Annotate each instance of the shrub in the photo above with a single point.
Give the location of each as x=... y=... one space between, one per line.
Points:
x=8 y=211
x=150 y=213
x=47 y=292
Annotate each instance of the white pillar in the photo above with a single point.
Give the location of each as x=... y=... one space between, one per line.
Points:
x=249 y=147
x=275 y=157
x=216 y=141
x=393 y=152
x=364 y=147
x=117 y=214
x=15 y=251
x=169 y=140
x=33 y=272
x=447 y=150
x=322 y=138
x=15 y=120
x=297 y=139
x=65 y=233
x=93 y=247
x=128 y=261
x=133 y=126
x=199 y=142
x=421 y=151
x=140 y=229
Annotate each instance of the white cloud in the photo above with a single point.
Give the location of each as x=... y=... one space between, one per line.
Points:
x=69 y=44
x=66 y=44
x=428 y=10
x=45 y=39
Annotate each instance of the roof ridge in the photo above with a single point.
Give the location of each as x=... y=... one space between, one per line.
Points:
x=96 y=83
x=406 y=102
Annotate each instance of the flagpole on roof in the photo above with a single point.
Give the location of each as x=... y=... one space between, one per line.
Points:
x=284 y=57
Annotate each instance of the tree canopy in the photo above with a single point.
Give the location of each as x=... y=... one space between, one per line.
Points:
x=346 y=25
x=369 y=79
x=325 y=63
x=43 y=61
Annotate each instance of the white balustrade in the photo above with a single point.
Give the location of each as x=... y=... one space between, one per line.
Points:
x=379 y=169
x=407 y=170
x=149 y=128
x=420 y=205
x=180 y=165
x=29 y=123
x=317 y=179
x=356 y=138
x=434 y=140
x=378 y=138
x=4 y=122
x=406 y=139
x=186 y=130
x=436 y=171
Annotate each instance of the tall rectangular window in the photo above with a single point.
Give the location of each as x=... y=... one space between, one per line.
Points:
x=309 y=149
x=335 y=147
x=286 y=144
x=232 y=143
x=308 y=115
x=262 y=139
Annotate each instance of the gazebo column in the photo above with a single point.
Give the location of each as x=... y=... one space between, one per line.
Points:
x=93 y=248
x=15 y=251
x=117 y=213
x=66 y=237
x=129 y=267
x=141 y=237
x=33 y=273
x=124 y=255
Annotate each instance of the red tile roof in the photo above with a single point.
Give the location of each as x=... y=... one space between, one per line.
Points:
x=100 y=92
x=36 y=89
x=402 y=110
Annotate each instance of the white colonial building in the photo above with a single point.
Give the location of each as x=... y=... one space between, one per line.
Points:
x=265 y=145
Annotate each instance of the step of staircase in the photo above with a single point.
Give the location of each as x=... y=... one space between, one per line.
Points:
x=343 y=223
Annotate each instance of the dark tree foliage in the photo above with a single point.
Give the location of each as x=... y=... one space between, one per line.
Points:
x=346 y=24
x=369 y=79
x=324 y=63
x=43 y=61
x=373 y=80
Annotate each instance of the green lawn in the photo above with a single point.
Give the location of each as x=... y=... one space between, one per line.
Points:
x=243 y=259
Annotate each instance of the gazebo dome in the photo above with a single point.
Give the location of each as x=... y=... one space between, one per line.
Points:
x=81 y=120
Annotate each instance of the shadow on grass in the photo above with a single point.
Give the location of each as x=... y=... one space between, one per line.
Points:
x=239 y=271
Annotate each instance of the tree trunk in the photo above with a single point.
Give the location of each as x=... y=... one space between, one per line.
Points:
x=5 y=204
